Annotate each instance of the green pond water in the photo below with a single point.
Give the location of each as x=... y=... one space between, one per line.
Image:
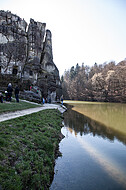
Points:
x=111 y=115
x=94 y=148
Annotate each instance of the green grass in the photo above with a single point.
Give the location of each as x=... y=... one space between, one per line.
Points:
x=28 y=148
x=14 y=106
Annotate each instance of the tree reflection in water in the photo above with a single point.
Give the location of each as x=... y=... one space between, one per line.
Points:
x=84 y=125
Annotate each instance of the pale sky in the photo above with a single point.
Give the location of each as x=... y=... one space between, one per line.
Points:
x=86 y=31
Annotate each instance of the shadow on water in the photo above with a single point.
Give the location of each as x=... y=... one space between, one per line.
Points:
x=84 y=125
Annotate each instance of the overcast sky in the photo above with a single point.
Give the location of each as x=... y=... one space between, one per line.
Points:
x=86 y=31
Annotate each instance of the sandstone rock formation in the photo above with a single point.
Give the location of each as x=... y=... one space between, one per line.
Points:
x=26 y=56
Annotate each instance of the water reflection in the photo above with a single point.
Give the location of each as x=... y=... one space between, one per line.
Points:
x=113 y=169
x=92 y=156
x=84 y=125
x=112 y=115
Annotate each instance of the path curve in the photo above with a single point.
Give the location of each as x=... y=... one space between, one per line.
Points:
x=19 y=113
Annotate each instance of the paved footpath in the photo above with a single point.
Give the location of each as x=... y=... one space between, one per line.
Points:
x=12 y=115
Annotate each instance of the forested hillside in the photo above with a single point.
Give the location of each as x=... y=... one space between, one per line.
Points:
x=105 y=82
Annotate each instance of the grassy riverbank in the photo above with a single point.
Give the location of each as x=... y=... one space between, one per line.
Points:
x=14 y=106
x=28 y=149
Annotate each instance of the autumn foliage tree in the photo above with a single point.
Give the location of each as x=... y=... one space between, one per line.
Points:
x=105 y=82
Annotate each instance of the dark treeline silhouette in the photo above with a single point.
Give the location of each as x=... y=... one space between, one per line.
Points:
x=105 y=82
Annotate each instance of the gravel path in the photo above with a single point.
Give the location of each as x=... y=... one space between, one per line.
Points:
x=12 y=115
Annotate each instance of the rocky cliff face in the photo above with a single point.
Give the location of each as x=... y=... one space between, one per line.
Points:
x=26 y=54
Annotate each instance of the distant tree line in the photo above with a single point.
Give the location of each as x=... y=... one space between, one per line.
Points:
x=105 y=82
